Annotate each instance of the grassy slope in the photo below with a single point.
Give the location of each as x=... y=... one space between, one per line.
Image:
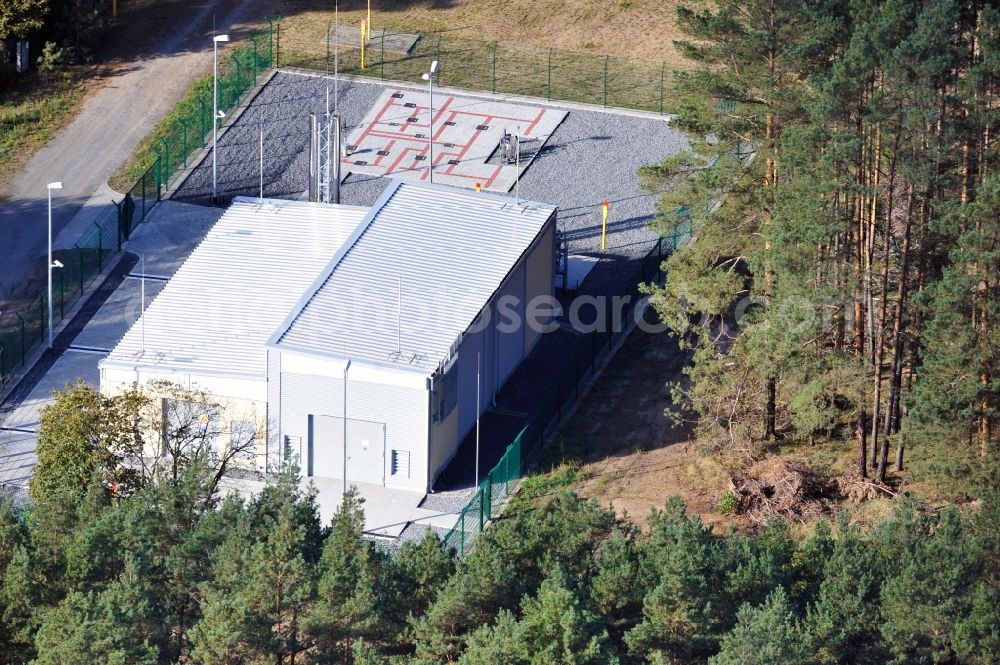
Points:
x=32 y=110
x=636 y=29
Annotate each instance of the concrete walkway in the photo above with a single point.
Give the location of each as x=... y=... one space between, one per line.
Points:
x=165 y=238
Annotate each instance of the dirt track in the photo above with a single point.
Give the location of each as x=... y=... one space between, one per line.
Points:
x=112 y=121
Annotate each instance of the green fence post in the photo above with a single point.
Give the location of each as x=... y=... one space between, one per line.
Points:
x=41 y=315
x=506 y=472
x=256 y=66
x=79 y=255
x=482 y=497
x=100 y=253
x=201 y=119
x=461 y=532
x=329 y=26
x=184 y=141
x=143 y=215
x=270 y=40
x=605 y=81
x=166 y=160
x=440 y=64
x=277 y=47
x=381 y=74
x=550 y=75
x=494 y=68
x=62 y=297
x=663 y=79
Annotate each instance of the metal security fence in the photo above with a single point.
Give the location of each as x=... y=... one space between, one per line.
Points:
x=191 y=129
x=550 y=73
x=594 y=347
x=23 y=329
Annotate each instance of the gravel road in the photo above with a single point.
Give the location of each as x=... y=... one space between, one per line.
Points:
x=111 y=123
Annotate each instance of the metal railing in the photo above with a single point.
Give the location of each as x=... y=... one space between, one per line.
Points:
x=550 y=73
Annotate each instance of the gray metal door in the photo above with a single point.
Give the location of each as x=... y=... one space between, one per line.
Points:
x=326 y=447
x=366 y=452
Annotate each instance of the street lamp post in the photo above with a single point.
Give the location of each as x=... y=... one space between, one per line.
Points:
x=215 y=113
x=429 y=77
x=50 y=265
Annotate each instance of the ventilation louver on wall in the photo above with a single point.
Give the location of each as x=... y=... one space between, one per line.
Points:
x=400 y=463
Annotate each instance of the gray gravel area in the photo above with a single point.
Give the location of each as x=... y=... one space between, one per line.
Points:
x=283 y=106
x=592 y=156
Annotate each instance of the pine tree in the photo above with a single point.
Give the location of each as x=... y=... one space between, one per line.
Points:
x=349 y=597
x=932 y=591
x=681 y=615
x=764 y=635
x=554 y=628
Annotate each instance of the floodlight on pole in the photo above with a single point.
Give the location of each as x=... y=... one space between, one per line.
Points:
x=51 y=186
x=215 y=112
x=429 y=77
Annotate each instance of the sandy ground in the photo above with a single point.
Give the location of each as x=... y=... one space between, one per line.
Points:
x=637 y=29
x=633 y=456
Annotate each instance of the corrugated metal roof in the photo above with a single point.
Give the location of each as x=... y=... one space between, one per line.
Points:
x=218 y=311
x=413 y=276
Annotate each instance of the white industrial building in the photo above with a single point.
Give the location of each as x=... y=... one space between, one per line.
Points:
x=375 y=327
x=207 y=327
x=393 y=319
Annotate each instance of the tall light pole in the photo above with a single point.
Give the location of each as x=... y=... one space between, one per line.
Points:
x=347 y=366
x=215 y=113
x=429 y=77
x=51 y=186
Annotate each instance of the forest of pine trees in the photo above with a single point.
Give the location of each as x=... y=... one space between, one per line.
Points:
x=842 y=288
x=847 y=286
x=173 y=573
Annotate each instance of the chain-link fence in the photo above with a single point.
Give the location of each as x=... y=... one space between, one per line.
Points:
x=191 y=129
x=549 y=73
x=23 y=329
x=594 y=347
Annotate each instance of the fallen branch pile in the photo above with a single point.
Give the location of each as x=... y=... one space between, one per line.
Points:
x=774 y=487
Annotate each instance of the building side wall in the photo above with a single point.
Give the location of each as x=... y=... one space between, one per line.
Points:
x=241 y=409
x=540 y=278
x=500 y=350
x=402 y=409
x=275 y=452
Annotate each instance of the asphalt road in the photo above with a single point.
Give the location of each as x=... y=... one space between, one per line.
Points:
x=111 y=123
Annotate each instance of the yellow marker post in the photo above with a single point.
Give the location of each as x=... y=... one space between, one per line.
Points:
x=479 y=187
x=363 y=24
x=604 y=225
x=369 y=23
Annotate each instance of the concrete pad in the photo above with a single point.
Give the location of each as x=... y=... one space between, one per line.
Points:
x=71 y=366
x=169 y=234
x=17 y=458
x=117 y=315
x=387 y=511
x=394 y=42
x=392 y=139
x=577 y=269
